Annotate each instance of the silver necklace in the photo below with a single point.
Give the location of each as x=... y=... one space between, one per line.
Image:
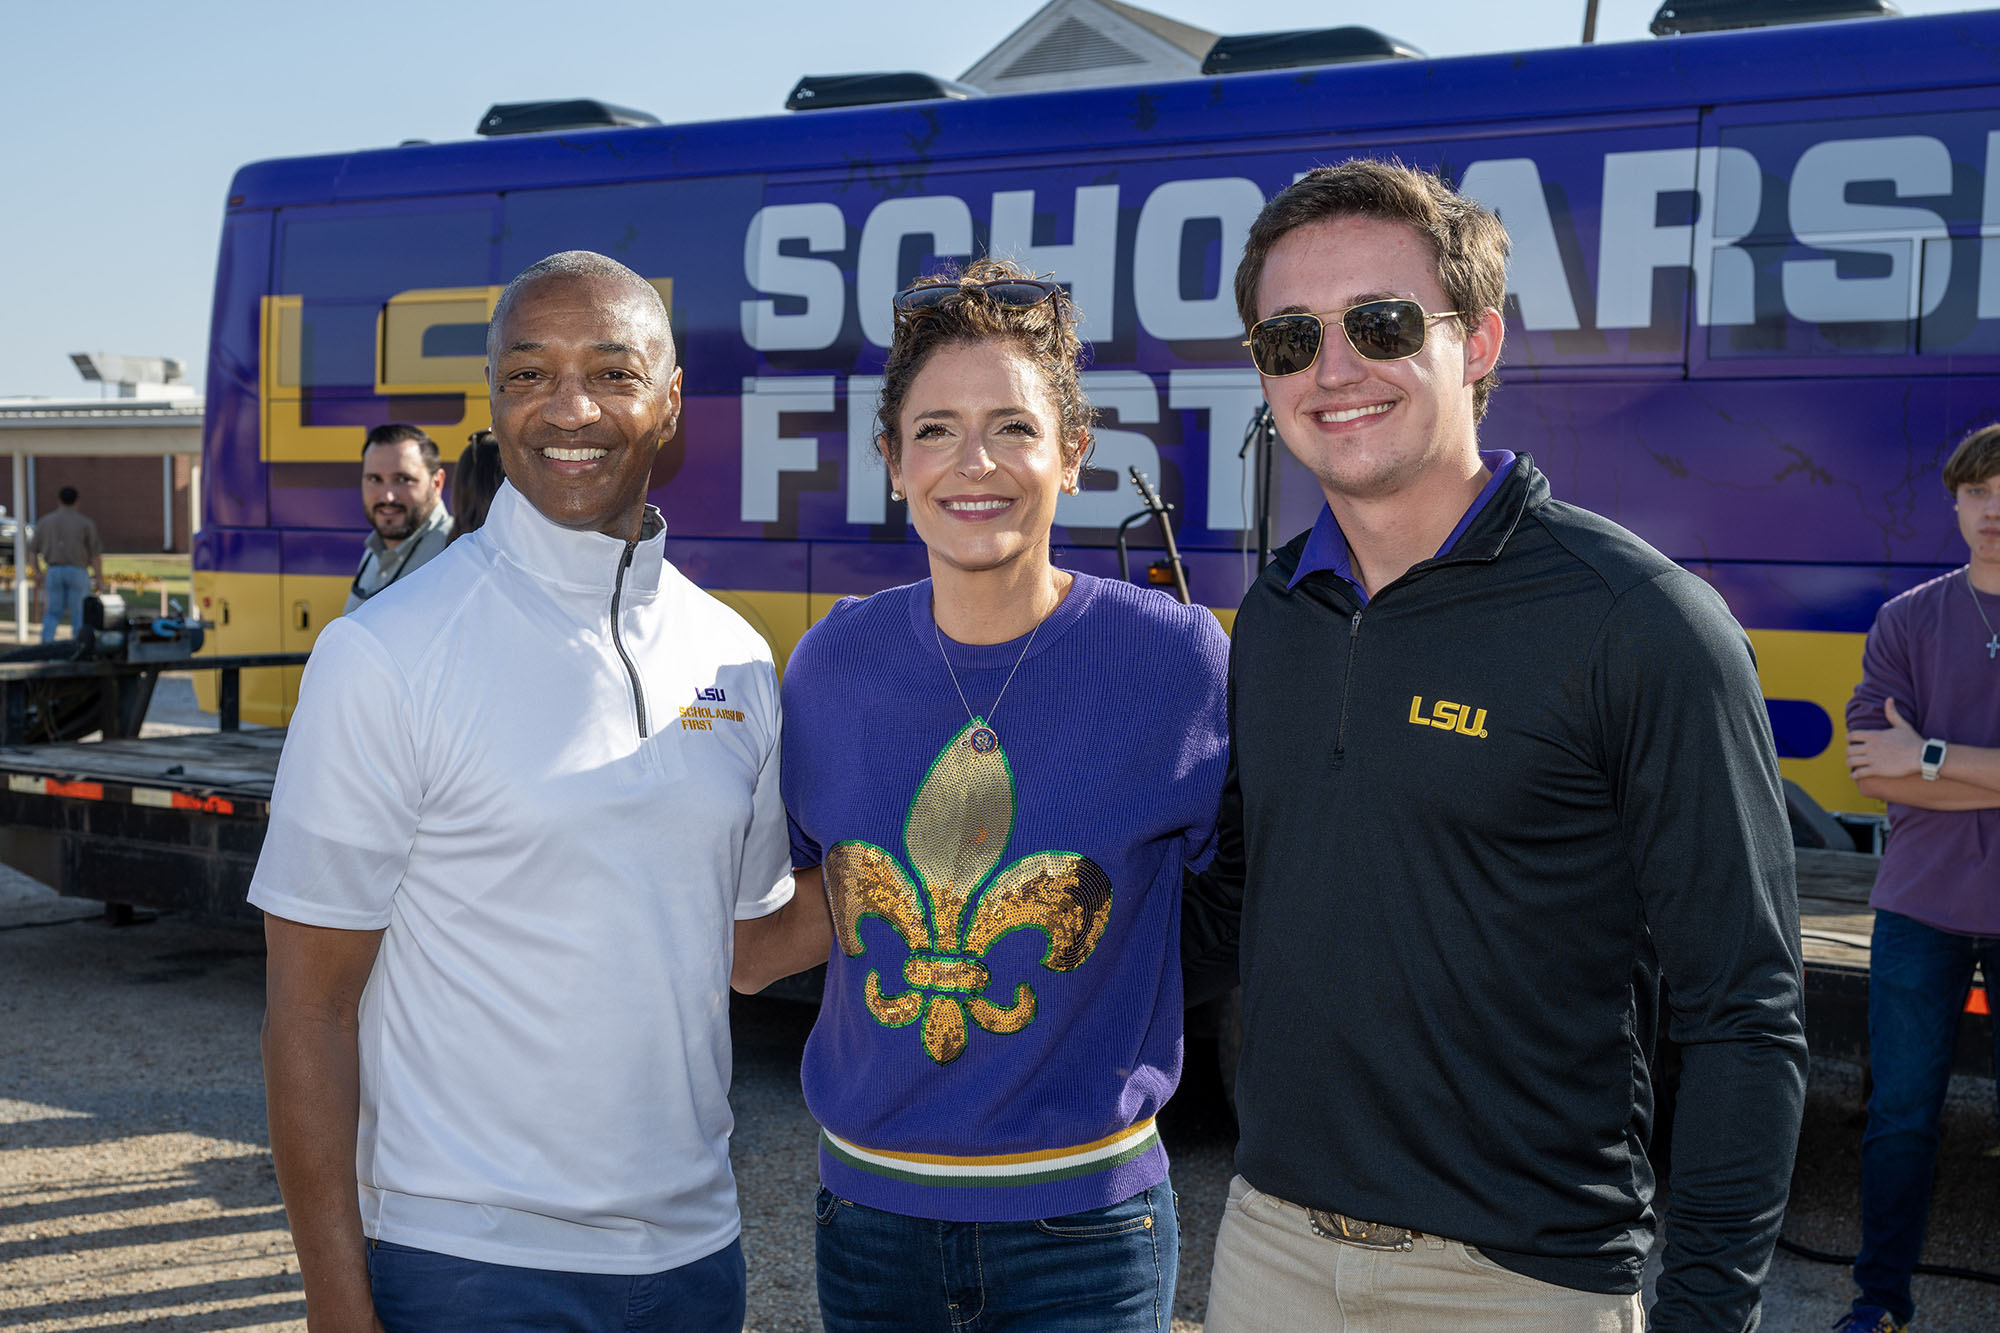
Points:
x=982 y=739
x=1992 y=644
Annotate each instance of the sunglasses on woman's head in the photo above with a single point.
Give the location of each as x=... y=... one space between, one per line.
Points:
x=1013 y=293
x=1391 y=330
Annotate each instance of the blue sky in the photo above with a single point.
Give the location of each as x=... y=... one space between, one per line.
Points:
x=125 y=120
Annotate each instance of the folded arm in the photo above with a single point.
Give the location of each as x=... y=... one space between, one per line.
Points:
x=1943 y=794
x=1888 y=765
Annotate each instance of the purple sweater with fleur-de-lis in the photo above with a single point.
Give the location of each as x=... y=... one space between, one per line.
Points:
x=1002 y=1017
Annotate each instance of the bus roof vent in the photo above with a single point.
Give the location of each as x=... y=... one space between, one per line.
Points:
x=1305 y=46
x=819 y=92
x=577 y=113
x=1684 y=16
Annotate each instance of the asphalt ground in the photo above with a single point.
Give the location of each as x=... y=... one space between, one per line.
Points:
x=136 y=1189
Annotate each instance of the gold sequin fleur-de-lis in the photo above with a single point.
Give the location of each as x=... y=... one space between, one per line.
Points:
x=957 y=831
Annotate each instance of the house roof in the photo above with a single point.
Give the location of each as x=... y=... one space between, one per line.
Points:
x=100 y=427
x=1195 y=41
x=1086 y=43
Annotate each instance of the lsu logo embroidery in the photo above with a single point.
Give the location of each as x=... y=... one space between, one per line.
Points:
x=700 y=716
x=1449 y=717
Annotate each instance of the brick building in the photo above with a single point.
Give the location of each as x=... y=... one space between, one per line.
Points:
x=140 y=505
x=135 y=463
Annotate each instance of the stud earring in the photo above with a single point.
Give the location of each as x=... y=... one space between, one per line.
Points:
x=895 y=495
x=1069 y=488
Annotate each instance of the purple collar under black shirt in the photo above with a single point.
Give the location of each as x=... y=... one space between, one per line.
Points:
x=1326 y=546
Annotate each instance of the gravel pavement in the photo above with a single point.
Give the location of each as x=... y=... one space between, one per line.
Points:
x=136 y=1189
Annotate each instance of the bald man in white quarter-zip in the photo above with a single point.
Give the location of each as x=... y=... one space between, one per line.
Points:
x=502 y=878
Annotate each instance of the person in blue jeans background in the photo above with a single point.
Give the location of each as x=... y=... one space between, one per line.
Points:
x=66 y=542
x=1924 y=735
x=999 y=773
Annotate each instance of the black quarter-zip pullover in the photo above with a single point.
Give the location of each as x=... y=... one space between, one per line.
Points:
x=1467 y=830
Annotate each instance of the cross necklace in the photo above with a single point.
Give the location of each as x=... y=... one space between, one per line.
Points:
x=1992 y=645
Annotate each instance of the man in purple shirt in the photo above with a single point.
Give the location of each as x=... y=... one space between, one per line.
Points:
x=1931 y=676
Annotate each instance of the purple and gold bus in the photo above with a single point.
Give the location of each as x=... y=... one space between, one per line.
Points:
x=1755 y=297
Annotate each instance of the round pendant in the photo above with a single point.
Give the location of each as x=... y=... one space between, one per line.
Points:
x=982 y=740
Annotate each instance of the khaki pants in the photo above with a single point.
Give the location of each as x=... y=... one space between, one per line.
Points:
x=1271 y=1272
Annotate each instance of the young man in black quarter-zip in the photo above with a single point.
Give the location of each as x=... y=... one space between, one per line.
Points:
x=1498 y=770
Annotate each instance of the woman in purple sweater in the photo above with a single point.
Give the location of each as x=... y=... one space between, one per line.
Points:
x=1000 y=773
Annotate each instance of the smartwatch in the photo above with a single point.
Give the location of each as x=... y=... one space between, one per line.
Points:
x=1932 y=759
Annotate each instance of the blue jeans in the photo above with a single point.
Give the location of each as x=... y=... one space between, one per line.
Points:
x=1917 y=982
x=418 y=1291
x=63 y=591
x=1109 y=1270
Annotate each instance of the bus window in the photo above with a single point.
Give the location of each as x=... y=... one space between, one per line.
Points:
x=349 y=338
x=1867 y=244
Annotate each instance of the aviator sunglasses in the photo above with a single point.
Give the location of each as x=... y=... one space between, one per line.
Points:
x=1013 y=293
x=1390 y=330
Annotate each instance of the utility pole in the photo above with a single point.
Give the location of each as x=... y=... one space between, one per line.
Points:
x=1589 y=22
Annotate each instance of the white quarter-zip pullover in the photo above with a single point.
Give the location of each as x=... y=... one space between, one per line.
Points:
x=546 y=764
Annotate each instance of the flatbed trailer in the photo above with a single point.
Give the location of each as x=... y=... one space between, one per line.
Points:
x=174 y=823
x=1835 y=924
x=164 y=823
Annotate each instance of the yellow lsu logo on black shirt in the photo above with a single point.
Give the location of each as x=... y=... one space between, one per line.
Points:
x=1449 y=717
